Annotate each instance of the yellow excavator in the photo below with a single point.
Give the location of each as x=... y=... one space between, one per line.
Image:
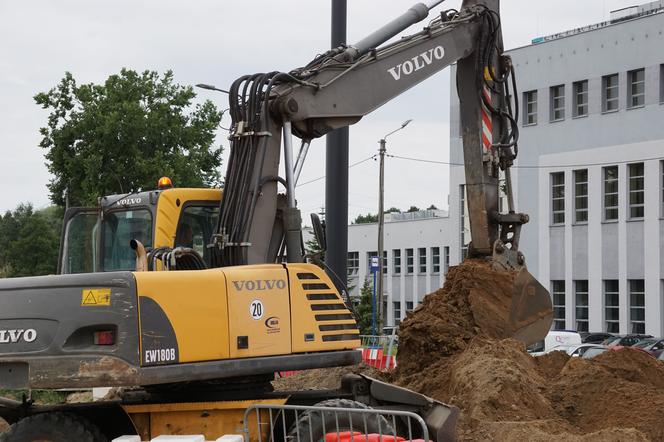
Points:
x=234 y=302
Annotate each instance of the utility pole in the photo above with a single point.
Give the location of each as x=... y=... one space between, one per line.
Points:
x=336 y=176
x=381 y=217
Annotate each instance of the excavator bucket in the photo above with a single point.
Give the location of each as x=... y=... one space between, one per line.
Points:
x=524 y=314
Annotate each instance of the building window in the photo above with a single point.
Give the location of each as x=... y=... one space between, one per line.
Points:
x=581 y=300
x=409 y=262
x=558 y=197
x=353 y=263
x=409 y=306
x=610 y=193
x=446 y=260
x=435 y=260
x=465 y=222
x=637 y=306
x=636 y=190
x=557 y=104
x=422 y=260
x=581 y=196
x=661 y=185
x=397 y=312
x=661 y=83
x=396 y=261
x=610 y=88
x=637 y=88
x=580 y=98
x=530 y=116
x=558 y=294
x=612 y=306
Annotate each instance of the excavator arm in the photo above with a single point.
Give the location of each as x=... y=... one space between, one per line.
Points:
x=337 y=89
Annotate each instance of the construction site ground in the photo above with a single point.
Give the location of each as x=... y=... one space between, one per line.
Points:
x=504 y=393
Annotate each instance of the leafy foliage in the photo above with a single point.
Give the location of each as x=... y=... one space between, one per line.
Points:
x=29 y=241
x=122 y=135
x=364 y=309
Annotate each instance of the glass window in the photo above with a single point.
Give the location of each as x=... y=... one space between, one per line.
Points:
x=409 y=306
x=610 y=193
x=558 y=295
x=610 y=89
x=435 y=259
x=396 y=261
x=661 y=83
x=557 y=105
x=422 y=259
x=580 y=98
x=397 y=312
x=581 y=299
x=446 y=260
x=120 y=227
x=196 y=227
x=558 y=197
x=353 y=263
x=611 y=306
x=79 y=250
x=661 y=185
x=530 y=100
x=465 y=222
x=637 y=306
x=637 y=88
x=581 y=196
x=410 y=265
x=636 y=190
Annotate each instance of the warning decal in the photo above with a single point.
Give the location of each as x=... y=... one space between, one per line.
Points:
x=95 y=297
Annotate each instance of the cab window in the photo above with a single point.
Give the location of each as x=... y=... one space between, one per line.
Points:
x=120 y=227
x=196 y=226
x=79 y=249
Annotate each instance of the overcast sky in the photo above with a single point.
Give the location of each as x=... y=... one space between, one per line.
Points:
x=216 y=41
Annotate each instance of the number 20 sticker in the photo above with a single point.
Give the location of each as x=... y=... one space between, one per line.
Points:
x=256 y=309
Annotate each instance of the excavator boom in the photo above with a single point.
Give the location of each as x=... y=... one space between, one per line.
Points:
x=337 y=89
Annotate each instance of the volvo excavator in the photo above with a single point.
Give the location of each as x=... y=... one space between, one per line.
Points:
x=202 y=338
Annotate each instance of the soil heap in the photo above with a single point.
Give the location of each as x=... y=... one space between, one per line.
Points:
x=506 y=394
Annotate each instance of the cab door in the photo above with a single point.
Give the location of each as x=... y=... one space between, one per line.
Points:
x=79 y=241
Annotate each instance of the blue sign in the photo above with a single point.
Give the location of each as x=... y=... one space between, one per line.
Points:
x=374 y=264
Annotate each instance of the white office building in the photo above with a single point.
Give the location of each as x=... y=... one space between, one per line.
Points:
x=590 y=171
x=416 y=258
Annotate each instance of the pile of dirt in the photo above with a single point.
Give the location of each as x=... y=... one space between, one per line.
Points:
x=504 y=393
x=323 y=378
x=3 y=425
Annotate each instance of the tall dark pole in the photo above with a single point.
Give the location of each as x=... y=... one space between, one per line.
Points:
x=336 y=173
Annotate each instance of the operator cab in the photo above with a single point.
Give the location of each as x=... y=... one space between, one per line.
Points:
x=96 y=239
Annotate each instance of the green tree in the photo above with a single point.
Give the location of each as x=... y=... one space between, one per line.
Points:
x=364 y=309
x=122 y=135
x=432 y=207
x=372 y=217
x=413 y=209
x=29 y=241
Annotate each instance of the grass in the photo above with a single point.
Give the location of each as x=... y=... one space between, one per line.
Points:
x=46 y=397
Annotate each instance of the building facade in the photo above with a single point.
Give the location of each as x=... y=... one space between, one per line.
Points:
x=590 y=171
x=416 y=258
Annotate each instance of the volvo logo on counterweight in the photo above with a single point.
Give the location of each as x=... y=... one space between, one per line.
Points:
x=15 y=335
x=259 y=284
x=416 y=63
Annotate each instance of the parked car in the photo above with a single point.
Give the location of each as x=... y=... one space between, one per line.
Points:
x=555 y=338
x=595 y=351
x=594 y=338
x=654 y=346
x=626 y=340
x=577 y=351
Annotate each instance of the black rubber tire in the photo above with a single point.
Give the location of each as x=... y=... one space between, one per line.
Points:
x=53 y=427
x=310 y=427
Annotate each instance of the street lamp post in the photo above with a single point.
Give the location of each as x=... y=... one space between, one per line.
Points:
x=381 y=216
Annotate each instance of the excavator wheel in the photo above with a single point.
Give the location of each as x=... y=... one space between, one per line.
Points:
x=313 y=425
x=53 y=427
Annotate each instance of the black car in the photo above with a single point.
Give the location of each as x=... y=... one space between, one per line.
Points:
x=654 y=346
x=594 y=338
x=626 y=340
